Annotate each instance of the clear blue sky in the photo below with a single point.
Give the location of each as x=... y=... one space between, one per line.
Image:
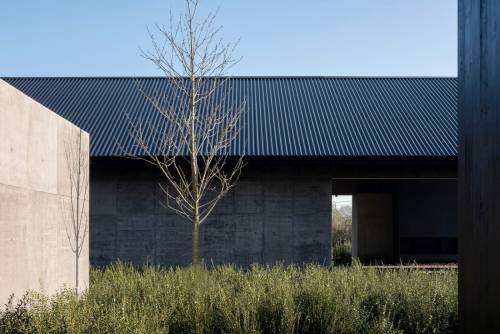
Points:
x=278 y=37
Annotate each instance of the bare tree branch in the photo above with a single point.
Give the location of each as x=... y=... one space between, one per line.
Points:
x=191 y=144
x=74 y=210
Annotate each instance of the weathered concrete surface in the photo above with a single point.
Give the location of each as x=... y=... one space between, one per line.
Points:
x=479 y=166
x=277 y=213
x=373 y=227
x=34 y=249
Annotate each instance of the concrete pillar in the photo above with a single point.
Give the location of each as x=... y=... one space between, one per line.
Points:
x=479 y=166
x=372 y=227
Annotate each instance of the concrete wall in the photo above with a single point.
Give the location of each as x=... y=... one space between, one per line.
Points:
x=373 y=227
x=34 y=249
x=276 y=213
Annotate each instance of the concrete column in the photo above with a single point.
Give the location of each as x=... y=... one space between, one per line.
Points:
x=372 y=227
x=479 y=166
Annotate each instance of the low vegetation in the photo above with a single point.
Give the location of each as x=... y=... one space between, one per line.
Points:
x=341 y=238
x=279 y=299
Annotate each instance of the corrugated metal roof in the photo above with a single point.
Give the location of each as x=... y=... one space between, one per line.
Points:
x=286 y=116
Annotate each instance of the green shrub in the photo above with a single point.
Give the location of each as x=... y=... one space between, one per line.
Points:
x=342 y=245
x=341 y=238
x=225 y=299
x=342 y=253
x=15 y=317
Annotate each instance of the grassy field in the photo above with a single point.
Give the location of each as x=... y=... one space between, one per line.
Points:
x=224 y=299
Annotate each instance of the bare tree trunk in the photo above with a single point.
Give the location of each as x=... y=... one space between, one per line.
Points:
x=194 y=171
x=77 y=230
x=76 y=272
x=74 y=215
x=195 y=245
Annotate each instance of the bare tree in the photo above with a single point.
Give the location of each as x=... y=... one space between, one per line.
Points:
x=198 y=123
x=74 y=210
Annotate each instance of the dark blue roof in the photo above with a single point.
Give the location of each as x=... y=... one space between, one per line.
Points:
x=286 y=116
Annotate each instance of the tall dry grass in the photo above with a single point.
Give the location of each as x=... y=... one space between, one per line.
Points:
x=224 y=299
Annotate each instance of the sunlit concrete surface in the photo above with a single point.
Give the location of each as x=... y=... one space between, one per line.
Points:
x=34 y=249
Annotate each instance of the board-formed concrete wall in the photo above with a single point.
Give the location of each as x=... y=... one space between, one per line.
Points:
x=275 y=214
x=34 y=249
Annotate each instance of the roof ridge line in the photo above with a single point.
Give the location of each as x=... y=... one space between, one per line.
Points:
x=236 y=77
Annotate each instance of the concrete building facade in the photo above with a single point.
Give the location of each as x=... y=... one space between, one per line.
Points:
x=280 y=211
x=34 y=250
x=276 y=213
x=389 y=142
